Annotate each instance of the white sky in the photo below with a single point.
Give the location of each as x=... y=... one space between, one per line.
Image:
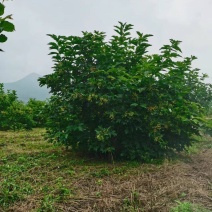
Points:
x=26 y=50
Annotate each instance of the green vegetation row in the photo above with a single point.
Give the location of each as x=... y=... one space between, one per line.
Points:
x=16 y=115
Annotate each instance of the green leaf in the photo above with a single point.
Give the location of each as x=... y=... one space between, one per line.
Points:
x=8 y=27
x=141 y=89
x=143 y=105
x=1 y=9
x=134 y=105
x=3 y=38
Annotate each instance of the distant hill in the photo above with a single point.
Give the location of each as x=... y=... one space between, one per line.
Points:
x=28 y=87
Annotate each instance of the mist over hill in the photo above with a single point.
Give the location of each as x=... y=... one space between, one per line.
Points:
x=28 y=87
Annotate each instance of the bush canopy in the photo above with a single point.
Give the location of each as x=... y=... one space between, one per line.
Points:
x=110 y=97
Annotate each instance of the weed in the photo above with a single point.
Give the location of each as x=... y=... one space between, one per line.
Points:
x=120 y=170
x=101 y=173
x=183 y=194
x=71 y=172
x=11 y=191
x=47 y=204
x=62 y=193
x=22 y=159
x=129 y=207
x=98 y=194
x=188 y=207
x=132 y=204
x=99 y=182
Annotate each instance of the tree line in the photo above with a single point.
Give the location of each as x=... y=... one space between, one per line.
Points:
x=16 y=115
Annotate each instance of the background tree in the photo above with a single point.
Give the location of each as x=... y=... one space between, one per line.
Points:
x=38 y=112
x=14 y=114
x=111 y=97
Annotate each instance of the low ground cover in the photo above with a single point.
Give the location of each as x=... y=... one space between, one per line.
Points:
x=38 y=176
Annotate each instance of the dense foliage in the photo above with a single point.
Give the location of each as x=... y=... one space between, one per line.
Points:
x=112 y=98
x=38 y=112
x=16 y=115
x=13 y=113
x=5 y=25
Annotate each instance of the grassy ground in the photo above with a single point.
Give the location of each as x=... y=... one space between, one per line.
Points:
x=38 y=176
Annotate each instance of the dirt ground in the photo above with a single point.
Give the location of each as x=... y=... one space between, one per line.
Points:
x=156 y=190
x=147 y=187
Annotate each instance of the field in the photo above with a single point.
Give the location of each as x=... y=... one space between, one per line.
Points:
x=38 y=176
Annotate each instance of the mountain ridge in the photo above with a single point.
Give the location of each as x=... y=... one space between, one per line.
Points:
x=28 y=87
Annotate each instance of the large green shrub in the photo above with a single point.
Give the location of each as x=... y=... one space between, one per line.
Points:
x=111 y=97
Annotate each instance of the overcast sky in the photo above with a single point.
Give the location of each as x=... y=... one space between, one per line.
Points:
x=26 y=50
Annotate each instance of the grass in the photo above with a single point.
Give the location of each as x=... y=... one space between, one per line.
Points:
x=188 y=207
x=201 y=143
x=38 y=176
